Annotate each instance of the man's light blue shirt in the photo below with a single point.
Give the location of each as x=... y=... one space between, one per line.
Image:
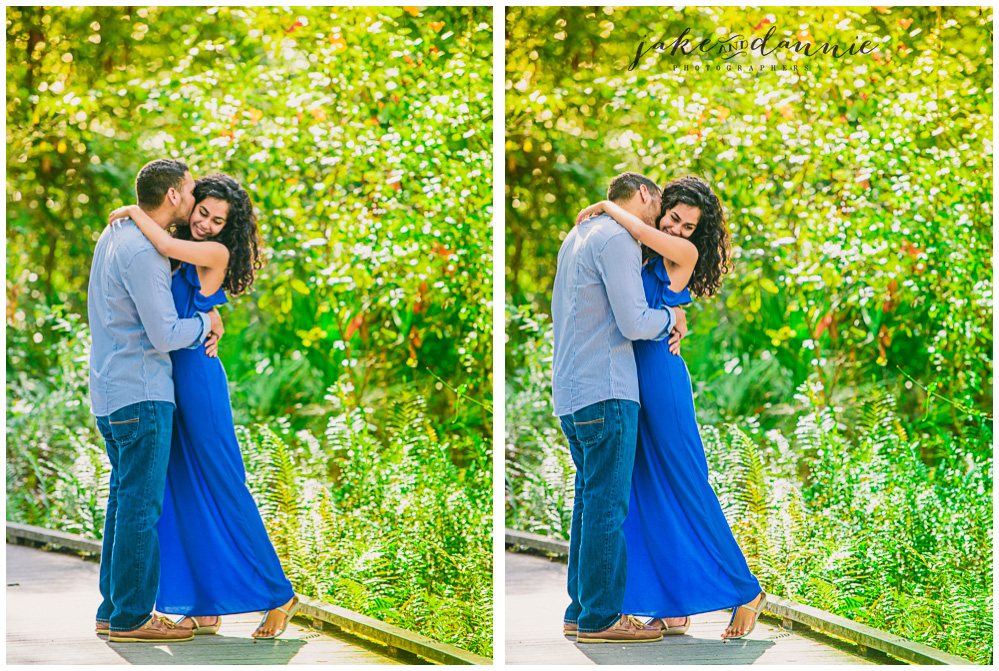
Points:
x=133 y=322
x=598 y=308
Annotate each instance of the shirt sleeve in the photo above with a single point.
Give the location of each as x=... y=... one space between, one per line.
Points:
x=148 y=283
x=620 y=266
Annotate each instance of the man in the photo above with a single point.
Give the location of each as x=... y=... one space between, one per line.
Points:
x=598 y=308
x=134 y=324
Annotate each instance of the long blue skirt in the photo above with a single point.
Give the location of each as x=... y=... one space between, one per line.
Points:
x=682 y=556
x=215 y=555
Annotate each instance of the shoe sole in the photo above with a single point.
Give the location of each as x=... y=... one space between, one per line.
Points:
x=618 y=640
x=119 y=639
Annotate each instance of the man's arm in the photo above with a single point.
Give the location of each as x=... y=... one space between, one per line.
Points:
x=148 y=283
x=620 y=266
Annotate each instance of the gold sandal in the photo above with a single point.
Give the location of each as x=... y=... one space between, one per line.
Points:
x=197 y=628
x=757 y=610
x=668 y=630
x=290 y=613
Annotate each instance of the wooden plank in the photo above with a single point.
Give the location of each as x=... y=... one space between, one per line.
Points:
x=52 y=598
x=536 y=601
x=396 y=638
x=537 y=542
x=790 y=611
x=388 y=634
x=861 y=634
x=50 y=537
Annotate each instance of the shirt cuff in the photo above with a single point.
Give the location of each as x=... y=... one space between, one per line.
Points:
x=670 y=323
x=206 y=329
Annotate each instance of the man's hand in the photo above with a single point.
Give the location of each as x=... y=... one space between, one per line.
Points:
x=212 y=341
x=679 y=331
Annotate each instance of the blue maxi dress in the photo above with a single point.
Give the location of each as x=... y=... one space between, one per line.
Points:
x=215 y=555
x=682 y=556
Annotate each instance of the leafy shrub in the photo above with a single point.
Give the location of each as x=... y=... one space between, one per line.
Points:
x=404 y=535
x=364 y=136
x=858 y=190
x=843 y=508
x=379 y=520
x=853 y=521
x=57 y=468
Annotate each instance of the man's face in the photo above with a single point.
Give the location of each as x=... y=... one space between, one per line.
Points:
x=185 y=200
x=652 y=203
x=680 y=220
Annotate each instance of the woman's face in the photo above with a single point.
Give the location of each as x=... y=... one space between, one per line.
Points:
x=208 y=218
x=681 y=220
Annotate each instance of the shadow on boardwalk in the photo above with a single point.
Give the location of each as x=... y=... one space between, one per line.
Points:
x=536 y=600
x=52 y=598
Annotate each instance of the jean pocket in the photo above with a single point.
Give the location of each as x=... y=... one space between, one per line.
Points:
x=124 y=423
x=589 y=423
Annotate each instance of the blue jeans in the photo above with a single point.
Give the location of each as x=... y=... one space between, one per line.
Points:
x=602 y=439
x=138 y=443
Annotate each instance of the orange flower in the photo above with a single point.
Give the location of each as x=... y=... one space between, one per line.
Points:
x=354 y=324
x=436 y=26
x=824 y=324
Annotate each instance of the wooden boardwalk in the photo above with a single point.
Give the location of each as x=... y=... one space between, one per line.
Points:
x=536 y=600
x=52 y=598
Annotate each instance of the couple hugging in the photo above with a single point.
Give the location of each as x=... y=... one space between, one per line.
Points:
x=648 y=535
x=182 y=529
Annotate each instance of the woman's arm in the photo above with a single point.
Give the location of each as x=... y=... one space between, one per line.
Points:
x=680 y=252
x=209 y=255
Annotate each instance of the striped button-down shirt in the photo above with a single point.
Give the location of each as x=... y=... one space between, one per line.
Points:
x=133 y=322
x=598 y=308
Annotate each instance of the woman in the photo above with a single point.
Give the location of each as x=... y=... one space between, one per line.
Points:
x=682 y=556
x=216 y=557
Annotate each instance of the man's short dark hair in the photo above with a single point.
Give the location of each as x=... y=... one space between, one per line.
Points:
x=155 y=179
x=624 y=187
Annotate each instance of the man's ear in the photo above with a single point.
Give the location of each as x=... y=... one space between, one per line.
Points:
x=173 y=196
x=645 y=193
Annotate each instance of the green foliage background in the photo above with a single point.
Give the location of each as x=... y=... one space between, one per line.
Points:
x=858 y=193
x=364 y=138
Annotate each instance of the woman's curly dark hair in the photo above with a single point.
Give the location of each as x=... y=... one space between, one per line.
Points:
x=239 y=234
x=710 y=237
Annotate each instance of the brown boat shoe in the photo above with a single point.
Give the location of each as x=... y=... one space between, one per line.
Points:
x=103 y=628
x=570 y=628
x=157 y=629
x=628 y=629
